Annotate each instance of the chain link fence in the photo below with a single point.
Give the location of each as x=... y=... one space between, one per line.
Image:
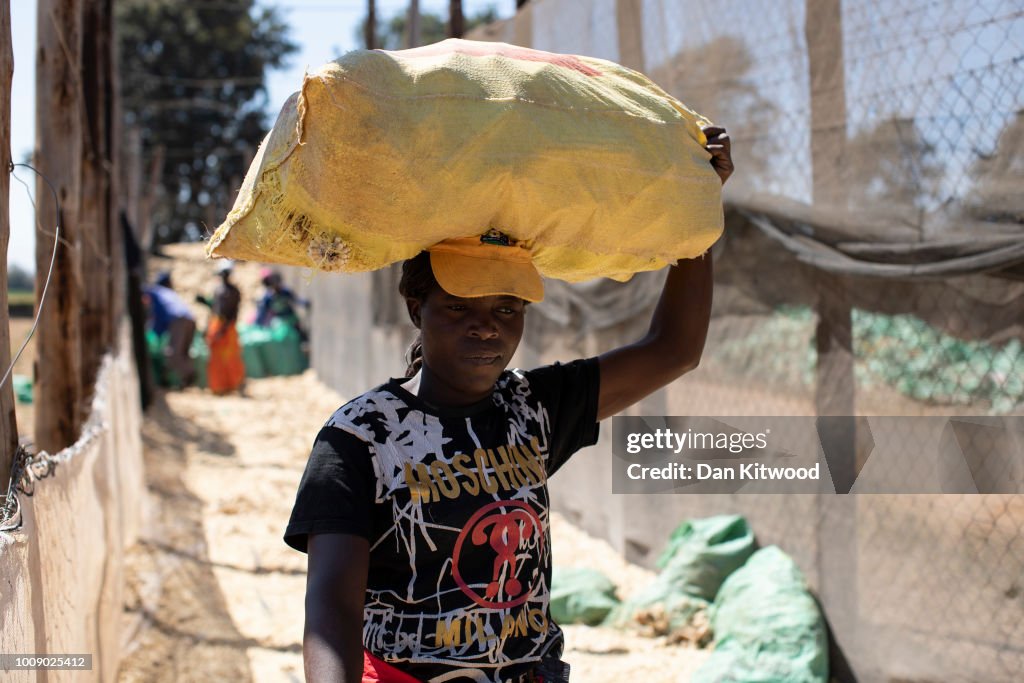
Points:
x=872 y=259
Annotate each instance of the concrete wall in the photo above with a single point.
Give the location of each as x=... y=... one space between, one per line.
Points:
x=61 y=573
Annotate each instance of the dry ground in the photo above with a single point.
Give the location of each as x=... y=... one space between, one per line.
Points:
x=213 y=591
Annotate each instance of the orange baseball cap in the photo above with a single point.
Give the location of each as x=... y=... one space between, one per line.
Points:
x=486 y=265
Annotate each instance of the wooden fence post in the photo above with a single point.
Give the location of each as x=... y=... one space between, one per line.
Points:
x=8 y=423
x=834 y=391
x=94 y=217
x=147 y=203
x=629 y=18
x=131 y=176
x=112 y=115
x=59 y=114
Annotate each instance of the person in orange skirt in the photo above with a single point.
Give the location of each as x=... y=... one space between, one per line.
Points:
x=226 y=371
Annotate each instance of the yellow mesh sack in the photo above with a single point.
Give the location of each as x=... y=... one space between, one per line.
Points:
x=382 y=154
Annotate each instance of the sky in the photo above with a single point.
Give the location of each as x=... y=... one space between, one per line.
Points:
x=324 y=29
x=21 y=247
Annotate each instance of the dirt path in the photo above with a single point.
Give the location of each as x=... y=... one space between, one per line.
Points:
x=214 y=593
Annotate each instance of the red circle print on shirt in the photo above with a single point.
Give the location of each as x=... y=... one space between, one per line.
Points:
x=506 y=527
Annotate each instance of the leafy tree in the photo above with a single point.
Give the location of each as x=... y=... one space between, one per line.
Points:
x=20 y=280
x=998 y=176
x=892 y=165
x=714 y=80
x=433 y=28
x=192 y=79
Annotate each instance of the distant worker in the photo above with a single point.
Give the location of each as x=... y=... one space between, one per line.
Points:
x=168 y=313
x=226 y=370
x=278 y=302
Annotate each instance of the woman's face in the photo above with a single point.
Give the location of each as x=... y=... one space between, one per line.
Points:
x=467 y=343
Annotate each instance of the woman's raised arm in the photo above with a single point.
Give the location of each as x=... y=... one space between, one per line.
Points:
x=675 y=340
x=671 y=347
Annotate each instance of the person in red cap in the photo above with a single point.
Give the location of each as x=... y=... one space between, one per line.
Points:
x=424 y=504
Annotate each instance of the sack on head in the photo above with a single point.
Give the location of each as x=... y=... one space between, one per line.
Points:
x=382 y=154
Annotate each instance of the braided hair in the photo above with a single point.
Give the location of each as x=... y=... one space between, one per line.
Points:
x=416 y=283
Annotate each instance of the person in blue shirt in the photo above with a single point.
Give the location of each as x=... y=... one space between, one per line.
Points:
x=168 y=313
x=278 y=301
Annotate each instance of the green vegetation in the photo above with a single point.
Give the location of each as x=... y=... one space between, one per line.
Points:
x=19 y=279
x=21 y=298
x=192 y=80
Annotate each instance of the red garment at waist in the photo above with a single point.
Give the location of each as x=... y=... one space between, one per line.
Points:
x=378 y=671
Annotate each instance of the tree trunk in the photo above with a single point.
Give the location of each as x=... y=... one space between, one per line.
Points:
x=370 y=32
x=8 y=423
x=131 y=175
x=59 y=105
x=144 y=229
x=456 y=23
x=412 y=38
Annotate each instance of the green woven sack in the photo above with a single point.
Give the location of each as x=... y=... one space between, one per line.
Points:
x=768 y=627
x=283 y=355
x=200 y=355
x=253 y=338
x=699 y=555
x=23 y=389
x=581 y=596
x=155 y=344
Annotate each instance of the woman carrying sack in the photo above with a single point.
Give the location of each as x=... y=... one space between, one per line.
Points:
x=424 y=504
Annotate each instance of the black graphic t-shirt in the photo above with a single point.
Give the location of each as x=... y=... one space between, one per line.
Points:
x=455 y=506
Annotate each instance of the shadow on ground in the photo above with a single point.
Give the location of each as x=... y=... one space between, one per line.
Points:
x=177 y=622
